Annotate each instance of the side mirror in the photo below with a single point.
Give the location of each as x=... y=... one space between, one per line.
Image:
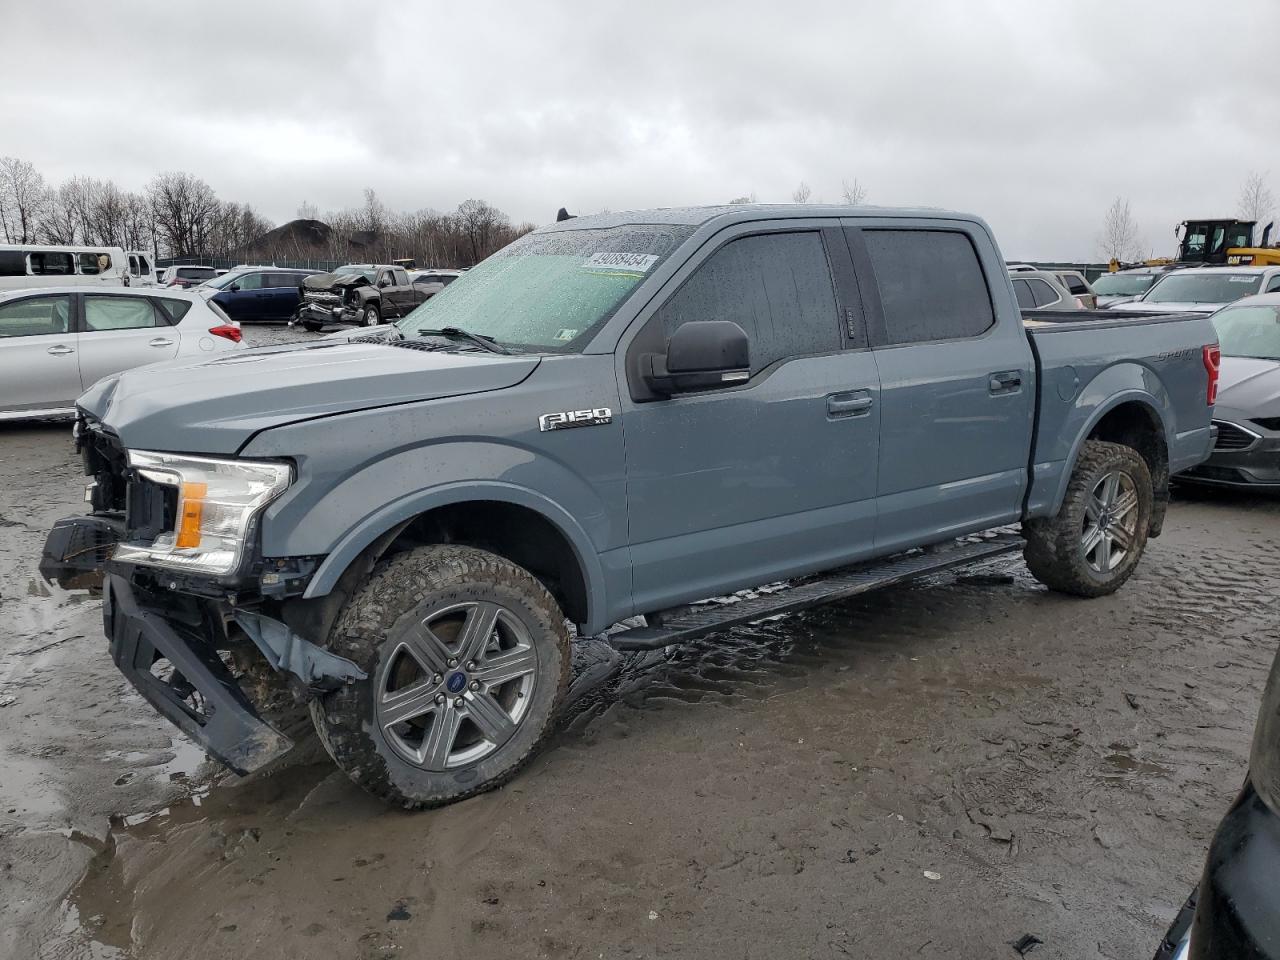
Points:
x=700 y=355
x=234 y=288
x=384 y=282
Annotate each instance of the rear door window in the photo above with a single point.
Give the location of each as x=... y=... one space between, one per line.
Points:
x=776 y=286
x=117 y=313
x=47 y=263
x=92 y=264
x=1044 y=294
x=1026 y=299
x=35 y=316
x=931 y=285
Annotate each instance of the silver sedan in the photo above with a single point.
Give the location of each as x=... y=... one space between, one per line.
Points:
x=56 y=342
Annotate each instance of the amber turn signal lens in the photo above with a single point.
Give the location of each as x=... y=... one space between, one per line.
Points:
x=192 y=509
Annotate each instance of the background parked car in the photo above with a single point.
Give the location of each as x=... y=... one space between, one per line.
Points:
x=31 y=265
x=188 y=276
x=57 y=342
x=256 y=293
x=1078 y=287
x=1247 y=450
x=1041 y=290
x=1123 y=286
x=361 y=293
x=432 y=282
x=1205 y=289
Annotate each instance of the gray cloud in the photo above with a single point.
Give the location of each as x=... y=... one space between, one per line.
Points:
x=1034 y=116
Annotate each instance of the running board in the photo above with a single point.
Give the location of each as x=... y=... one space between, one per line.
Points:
x=839 y=585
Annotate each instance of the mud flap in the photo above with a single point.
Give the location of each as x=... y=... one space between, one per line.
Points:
x=198 y=694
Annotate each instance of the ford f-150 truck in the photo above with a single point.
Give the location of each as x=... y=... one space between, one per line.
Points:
x=617 y=415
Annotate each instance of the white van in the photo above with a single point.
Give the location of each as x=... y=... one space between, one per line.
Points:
x=31 y=265
x=142 y=272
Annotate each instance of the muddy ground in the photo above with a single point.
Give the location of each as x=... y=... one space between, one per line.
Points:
x=934 y=770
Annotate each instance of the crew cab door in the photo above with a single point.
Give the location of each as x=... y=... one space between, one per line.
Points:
x=956 y=379
x=745 y=483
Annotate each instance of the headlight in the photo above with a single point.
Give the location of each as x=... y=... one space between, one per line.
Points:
x=1264 y=760
x=217 y=499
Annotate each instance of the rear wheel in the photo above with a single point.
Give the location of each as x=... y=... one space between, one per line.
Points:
x=467 y=659
x=1094 y=542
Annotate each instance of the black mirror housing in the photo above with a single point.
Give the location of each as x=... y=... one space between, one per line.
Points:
x=701 y=354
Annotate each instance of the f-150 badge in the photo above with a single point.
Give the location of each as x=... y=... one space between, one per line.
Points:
x=575 y=418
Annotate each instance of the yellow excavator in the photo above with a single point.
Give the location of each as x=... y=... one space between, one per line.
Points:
x=1228 y=242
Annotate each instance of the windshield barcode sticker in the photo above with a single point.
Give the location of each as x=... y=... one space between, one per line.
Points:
x=628 y=262
x=1242 y=279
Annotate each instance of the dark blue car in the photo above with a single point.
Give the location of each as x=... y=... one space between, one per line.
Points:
x=257 y=293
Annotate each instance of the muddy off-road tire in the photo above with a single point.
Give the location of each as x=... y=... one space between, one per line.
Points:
x=1094 y=542
x=467 y=657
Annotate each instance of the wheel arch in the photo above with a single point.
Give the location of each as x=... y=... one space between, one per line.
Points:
x=514 y=522
x=1132 y=418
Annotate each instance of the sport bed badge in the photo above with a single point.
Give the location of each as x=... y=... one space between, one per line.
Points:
x=575 y=418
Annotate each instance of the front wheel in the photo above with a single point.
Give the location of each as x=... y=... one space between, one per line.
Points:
x=1094 y=542
x=467 y=658
x=371 y=318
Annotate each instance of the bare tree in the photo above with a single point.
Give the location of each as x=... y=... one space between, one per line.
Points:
x=480 y=223
x=801 y=193
x=853 y=193
x=23 y=198
x=308 y=211
x=183 y=207
x=1256 y=200
x=1119 y=239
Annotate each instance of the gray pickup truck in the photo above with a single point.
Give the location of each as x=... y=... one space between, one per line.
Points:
x=615 y=416
x=365 y=294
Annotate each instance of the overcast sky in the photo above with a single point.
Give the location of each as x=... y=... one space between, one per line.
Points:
x=1033 y=115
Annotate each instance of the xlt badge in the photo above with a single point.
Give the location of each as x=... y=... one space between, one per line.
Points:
x=575 y=418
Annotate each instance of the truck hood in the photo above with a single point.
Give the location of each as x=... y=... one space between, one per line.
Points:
x=322 y=282
x=1250 y=385
x=215 y=405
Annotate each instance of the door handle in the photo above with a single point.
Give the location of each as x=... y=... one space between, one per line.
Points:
x=60 y=351
x=160 y=342
x=848 y=405
x=1007 y=381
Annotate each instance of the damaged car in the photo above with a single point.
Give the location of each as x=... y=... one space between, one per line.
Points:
x=363 y=294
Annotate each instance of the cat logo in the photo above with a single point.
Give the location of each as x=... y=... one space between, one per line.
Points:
x=575 y=418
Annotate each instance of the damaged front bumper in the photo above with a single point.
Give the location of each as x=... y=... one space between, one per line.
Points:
x=325 y=313
x=177 y=640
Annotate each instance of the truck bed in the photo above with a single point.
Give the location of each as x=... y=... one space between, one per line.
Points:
x=1086 y=359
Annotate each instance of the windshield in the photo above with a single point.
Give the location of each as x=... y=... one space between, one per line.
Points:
x=1203 y=287
x=549 y=291
x=367 y=272
x=1252 y=331
x=223 y=281
x=1123 y=284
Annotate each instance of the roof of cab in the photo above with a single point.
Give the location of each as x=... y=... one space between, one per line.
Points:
x=736 y=212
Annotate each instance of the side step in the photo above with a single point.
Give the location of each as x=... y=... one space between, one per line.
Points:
x=842 y=583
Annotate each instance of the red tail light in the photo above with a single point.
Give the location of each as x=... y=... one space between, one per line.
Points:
x=230 y=331
x=1212 y=364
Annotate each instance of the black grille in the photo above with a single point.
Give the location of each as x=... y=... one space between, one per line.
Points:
x=1231 y=437
x=1268 y=423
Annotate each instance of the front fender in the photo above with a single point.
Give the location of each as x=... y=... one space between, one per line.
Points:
x=1064 y=427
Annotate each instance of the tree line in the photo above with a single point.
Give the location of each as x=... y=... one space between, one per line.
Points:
x=178 y=214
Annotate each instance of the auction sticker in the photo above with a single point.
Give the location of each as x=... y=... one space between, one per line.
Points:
x=629 y=262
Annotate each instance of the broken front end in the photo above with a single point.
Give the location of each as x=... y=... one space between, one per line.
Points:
x=198 y=621
x=331 y=298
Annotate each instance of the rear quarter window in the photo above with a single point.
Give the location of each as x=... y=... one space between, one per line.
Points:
x=931 y=285
x=173 y=310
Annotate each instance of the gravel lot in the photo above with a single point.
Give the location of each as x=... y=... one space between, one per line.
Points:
x=934 y=770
